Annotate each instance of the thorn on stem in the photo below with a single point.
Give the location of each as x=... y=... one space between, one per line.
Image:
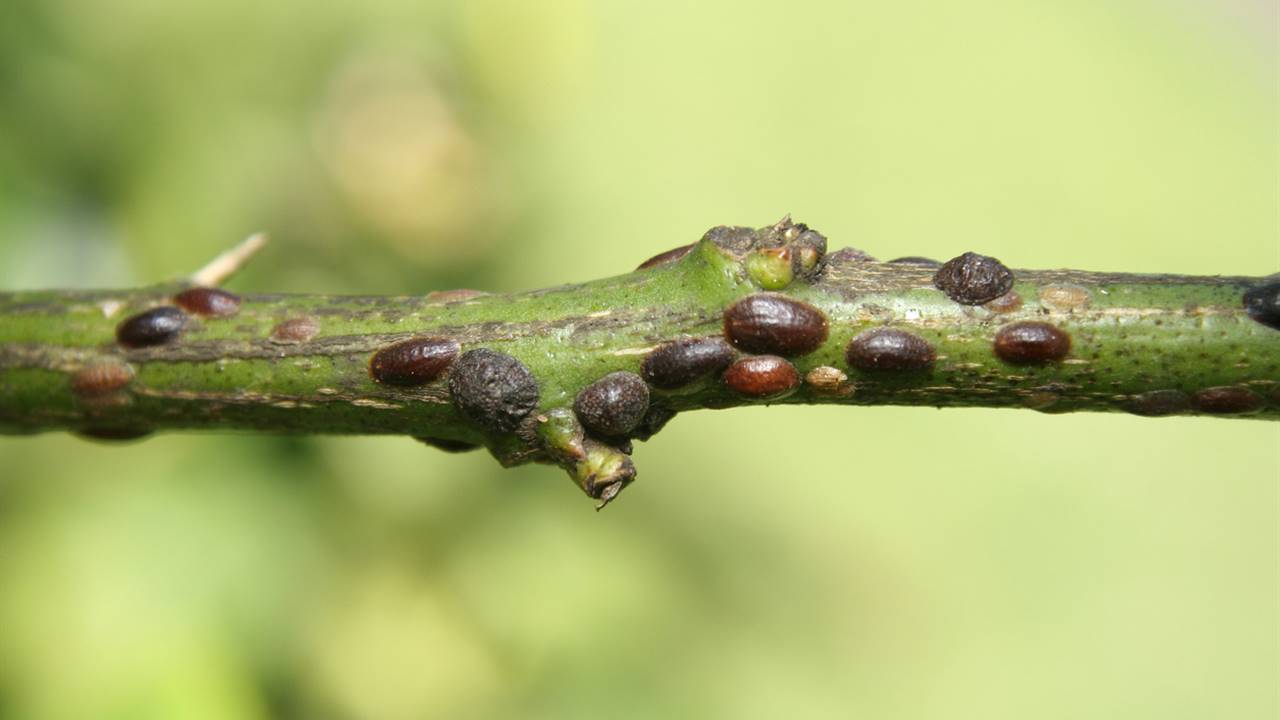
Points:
x=222 y=267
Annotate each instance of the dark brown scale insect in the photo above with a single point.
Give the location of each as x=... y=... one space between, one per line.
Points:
x=654 y=420
x=889 y=349
x=1227 y=399
x=208 y=301
x=775 y=324
x=666 y=258
x=676 y=364
x=916 y=260
x=415 y=361
x=151 y=327
x=762 y=376
x=447 y=445
x=493 y=389
x=1031 y=342
x=973 y=279
x=102 y=379
x=1263 y=304
x=612 y=406
x=294 y=331
x=1157 y=403
x=113 y=434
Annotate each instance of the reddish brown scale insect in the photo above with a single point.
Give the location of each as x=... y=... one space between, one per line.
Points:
x=208 y=301
x=1158 y=403
x=103 y=379
x=1263 y=304
x=294 y=331
x=151 y=327
x=612 y=406
x=762 y=376
x=775 y=324
x=415 y=361
x=493 y=389
x=1227 y=400
x=675 y=364
x=1031 y=342
x=889 y=349
x=666 y=258
x=973 y=279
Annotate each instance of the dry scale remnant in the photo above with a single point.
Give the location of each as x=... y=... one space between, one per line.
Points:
x=614 y=405
x=973 y=279
x=295 y=331
x=494 y=390
x=101 y=379
x=1065 y=297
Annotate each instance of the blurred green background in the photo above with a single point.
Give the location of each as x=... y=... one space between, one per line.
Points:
x=769 y=563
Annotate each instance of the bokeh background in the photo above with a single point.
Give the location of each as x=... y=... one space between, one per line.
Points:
x=769 y=563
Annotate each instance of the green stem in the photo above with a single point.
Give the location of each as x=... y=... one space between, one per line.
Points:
x=1151 y=344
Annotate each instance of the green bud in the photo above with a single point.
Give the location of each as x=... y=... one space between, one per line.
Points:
x=770 y=268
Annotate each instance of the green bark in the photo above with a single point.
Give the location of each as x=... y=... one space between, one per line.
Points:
x=1152 y=344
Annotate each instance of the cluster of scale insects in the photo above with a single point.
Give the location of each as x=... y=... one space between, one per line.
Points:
x=752 y=357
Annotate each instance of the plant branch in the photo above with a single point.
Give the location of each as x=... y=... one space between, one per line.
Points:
x=741 y=317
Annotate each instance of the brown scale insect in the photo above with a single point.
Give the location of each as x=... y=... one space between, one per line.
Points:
x=1157 y=403
x=295 y=331
x=102 y=379
x=447 y=445
x=1226 y=400
x=1006 y=303
x=675 y=364
x=973 y=279
x=1263 y=304
x=666 y=258
x=493 y=389
x=208 y=301
x=113 y=434
x=762 y=376
x=654 y=420
x=889 y=349
x=151 y=327
x=415 y=361
x=612 y=406
x=1031 y=342
x=775 y=324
